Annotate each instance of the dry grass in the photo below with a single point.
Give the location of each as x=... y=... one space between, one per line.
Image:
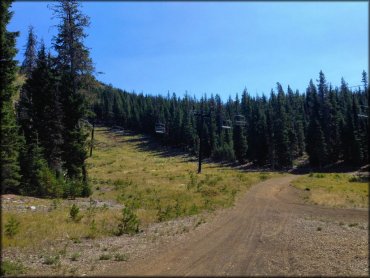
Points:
x=123 y=169
x=335 y=190
x=131 y=171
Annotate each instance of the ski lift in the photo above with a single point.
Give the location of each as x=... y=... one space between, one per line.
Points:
x=160 y=128
x=239 y=120
x=226 y=124
x=361 y=114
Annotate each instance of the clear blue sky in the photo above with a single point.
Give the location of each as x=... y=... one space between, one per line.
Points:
x=215 y=47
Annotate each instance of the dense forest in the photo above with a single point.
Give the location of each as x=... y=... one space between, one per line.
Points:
x=45 y=130
x=328 y=124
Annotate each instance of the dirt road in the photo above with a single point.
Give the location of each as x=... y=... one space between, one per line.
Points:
x=270 y=231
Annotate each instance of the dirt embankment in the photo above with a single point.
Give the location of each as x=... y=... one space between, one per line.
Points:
x=270 y=231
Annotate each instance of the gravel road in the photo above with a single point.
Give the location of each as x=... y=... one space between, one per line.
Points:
x=270 y=231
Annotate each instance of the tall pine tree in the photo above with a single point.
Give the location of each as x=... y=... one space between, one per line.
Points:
x=9 y=138
x=74 y=64
x=29 y=62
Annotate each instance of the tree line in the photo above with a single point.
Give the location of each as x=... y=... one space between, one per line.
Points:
x=44 y=128
x=324 y=123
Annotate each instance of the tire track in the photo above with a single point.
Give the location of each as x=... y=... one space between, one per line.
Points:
x=244 y=240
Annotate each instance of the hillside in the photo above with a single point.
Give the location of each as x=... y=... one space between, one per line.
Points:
x=160 y=184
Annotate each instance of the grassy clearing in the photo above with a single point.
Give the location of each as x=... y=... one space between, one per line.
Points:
x=129 y=171
x=335 y=190
x=158 y=186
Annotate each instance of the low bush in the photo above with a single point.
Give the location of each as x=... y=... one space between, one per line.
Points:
x=105 y=257
x=74 y=213
x=12 y=227
x=51 y=260
x=129 y=223
x=75 y=257
x=120 y=257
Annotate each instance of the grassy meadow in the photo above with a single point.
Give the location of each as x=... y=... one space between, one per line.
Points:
x=158 y=184
x=335 y=190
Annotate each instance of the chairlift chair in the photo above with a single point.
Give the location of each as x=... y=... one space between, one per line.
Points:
x=226 y=124
x=160 y=128
x=239 y=120
x=362 y=115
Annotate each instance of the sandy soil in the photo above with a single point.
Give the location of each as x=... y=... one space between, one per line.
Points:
x=270 y=231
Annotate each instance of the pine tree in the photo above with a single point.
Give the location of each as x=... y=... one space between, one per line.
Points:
x=9 y=138
x=239 y=138
x=39 y=114
x=29 y=62
x=281 y=130
x=73 y=63
x=364 y=80
x=315 y=145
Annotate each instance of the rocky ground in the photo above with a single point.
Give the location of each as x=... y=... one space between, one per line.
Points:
x=270 y=231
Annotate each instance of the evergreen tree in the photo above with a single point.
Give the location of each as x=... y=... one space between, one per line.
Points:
x=9 y=138
x=240 y=140
x=315 y=145
x=364 y=80
x=73 y=64
x=39 y=114
x=281 y=131
x=29 y=62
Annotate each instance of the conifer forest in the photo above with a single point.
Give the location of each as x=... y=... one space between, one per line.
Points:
x=45 y=132
x=99 y=180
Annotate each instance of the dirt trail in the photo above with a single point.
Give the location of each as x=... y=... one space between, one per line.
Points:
x=269 y=231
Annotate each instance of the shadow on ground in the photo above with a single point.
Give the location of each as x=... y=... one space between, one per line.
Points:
x=155 y=145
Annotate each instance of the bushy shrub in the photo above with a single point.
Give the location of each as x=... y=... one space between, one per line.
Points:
x=104 y=257
x=120 y=257
x=93 y=230
x=74 y=213
x=12 y=227
x=129 y=223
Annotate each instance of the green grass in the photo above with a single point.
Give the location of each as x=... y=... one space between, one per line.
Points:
x=155 y=187
x=335 y=190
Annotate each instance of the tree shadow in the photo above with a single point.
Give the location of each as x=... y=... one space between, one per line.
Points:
x=155 y=145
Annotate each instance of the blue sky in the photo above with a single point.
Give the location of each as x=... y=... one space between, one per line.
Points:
x=215 y=47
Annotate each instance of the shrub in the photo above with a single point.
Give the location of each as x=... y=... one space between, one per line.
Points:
x=105 y=257
x=12 y=227
x=93 y=230
x=358 y=178
x=120 y=257
x=74 y=213
x=263 y=177
x=129 y=223
x=51 y=260
x=86 y=190
x=55 y=204
x=75 y=257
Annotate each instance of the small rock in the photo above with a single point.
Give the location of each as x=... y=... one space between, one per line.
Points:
x=33 y=208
